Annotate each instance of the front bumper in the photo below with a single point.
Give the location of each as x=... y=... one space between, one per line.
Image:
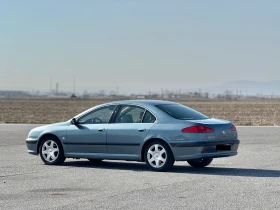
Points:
x=187 y=150
x=32 y=146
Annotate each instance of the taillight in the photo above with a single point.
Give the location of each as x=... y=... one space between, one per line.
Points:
x=233 y=128
x=197 y=129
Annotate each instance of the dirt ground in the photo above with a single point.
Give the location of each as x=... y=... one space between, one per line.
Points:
x=250 y=112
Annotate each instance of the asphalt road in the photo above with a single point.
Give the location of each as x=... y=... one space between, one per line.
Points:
x=250 y=180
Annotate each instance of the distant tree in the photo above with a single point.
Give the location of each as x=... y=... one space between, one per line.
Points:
x=85 y=94
x=228 y=94
x=73 y=96
x=102 y=92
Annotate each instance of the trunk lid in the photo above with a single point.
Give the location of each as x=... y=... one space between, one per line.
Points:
x=222 y=129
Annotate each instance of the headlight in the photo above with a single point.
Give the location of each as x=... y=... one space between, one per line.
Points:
x=32 y=134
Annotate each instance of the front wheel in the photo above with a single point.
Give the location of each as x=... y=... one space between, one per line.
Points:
x=200 y=163
x=51 y=151
x=158 y=156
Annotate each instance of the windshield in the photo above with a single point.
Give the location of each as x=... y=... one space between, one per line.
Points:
x=182 y=112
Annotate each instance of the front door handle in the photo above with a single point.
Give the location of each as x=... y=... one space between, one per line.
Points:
x=101 y=129
x=141 y=129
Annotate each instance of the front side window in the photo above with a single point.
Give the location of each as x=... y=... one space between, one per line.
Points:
x=130 y=114
x=181 y=112
x=99 y=116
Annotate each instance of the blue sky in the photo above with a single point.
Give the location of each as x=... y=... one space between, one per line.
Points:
x=137 y=45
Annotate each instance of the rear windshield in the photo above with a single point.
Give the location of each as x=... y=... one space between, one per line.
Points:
x=182 y=112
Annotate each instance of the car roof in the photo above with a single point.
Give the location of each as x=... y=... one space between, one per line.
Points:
x=143 y=102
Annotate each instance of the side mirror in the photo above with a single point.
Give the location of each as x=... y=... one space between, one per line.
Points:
x=74 y=121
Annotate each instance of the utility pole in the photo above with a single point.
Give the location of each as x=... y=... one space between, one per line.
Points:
x=56 y=89
x=74 y=88
x=51 y=85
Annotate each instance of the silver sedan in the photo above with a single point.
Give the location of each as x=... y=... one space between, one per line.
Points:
x=153 y=131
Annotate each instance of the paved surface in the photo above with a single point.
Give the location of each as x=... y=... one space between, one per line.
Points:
x=250 y=180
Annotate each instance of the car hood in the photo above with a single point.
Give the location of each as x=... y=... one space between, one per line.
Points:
x=38 y=131
x=44 y=127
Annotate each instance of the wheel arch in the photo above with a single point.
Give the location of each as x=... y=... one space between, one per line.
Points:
x=154 y=139
x=45 y=136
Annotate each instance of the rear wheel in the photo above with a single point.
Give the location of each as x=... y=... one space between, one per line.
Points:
x=158 y=156
x=200 y=163
x=51 y=151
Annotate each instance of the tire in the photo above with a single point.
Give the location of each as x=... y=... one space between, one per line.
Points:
x=96 y=161
x=158 y=156
x=51 y=151
x=200 y=163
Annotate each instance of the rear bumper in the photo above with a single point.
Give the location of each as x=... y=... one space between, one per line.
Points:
x=32 y=146
x=202 y=143
x=187 y=150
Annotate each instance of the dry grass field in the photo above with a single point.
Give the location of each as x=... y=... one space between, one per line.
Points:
x=41 y=111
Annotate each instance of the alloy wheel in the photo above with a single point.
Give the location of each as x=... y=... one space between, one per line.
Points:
x=50 y=151
x=157 y=156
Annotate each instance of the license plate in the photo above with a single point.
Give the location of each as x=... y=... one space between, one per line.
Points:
x=223 y=147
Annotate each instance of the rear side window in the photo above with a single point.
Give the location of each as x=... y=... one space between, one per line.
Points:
x=182 y=112
x=130 y=114
x=149 y=117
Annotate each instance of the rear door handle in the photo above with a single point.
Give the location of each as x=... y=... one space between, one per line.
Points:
x=141 y=129
x=101 y=129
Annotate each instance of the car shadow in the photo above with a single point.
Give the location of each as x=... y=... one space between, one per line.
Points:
x=210 y=170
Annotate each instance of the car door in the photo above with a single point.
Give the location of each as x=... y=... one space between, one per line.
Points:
x=89 y=133
x=128 y=131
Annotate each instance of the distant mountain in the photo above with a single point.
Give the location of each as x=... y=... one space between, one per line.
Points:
x=249 y=87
